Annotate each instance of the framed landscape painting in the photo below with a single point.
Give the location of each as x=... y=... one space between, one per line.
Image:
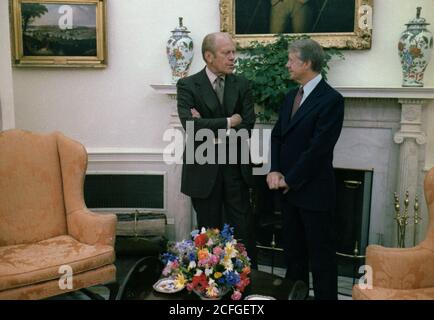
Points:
x=343 y=24
x=58 y=33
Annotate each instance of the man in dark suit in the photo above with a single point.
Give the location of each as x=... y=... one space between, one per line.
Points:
x=217 y=100
x=302 y=143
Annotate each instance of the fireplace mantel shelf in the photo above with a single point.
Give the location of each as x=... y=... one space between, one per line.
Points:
x=348 y=92
x=387 y=92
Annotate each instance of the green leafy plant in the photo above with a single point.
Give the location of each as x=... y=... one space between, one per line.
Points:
x=264 y=65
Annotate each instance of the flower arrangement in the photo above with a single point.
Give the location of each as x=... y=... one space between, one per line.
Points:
x=211 y=264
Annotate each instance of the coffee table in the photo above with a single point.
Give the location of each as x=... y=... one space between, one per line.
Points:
x=146 y=271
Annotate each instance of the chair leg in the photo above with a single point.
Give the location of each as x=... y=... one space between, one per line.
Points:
x=113 y=288
x=92 y=295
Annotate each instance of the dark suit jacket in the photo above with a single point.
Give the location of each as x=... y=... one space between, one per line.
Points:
x=302 y=147
x=196 y=91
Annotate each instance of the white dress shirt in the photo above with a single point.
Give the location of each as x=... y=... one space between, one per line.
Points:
x=308 y=87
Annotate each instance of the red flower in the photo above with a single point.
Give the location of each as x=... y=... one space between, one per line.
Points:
x=242 y=284
x=200 y=282
x=201 y=240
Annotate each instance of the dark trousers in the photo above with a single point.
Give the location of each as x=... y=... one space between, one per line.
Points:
x=229 y=202
x=309 y=237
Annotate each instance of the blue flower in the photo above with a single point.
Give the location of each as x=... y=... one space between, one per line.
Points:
x=194 y=233
x=239 y=264
x=192 y=256
x=232 y=278
x=227 y=232
x=166 y=257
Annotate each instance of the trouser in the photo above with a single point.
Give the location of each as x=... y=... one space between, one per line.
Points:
x=308 y=236
x=229 y=202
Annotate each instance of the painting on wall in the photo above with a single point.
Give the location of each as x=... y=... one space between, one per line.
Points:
x=333 y=23
x=58 y=33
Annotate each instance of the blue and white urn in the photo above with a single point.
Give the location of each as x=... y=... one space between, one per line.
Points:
x=179 y=52
x=415 y=47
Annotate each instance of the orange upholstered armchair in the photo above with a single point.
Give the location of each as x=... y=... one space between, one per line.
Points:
x=44 y=222
x=403 y=273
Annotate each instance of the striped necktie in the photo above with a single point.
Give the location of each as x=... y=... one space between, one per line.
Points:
x=297 y=101
x=220 y=88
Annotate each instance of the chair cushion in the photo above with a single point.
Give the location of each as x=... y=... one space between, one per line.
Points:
x=27 y=264
x=378 y=293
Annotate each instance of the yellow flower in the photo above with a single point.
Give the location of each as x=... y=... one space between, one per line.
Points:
x=217 y=275
x=230 y=250
x=180 y=281
x=227 y=263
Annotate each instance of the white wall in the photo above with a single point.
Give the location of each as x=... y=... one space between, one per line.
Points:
x=380 y=66
x=7 y=115
x=116 y=107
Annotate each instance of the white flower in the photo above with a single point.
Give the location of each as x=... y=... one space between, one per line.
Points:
x=230 y=250
x=198 y=272
x=203 y=230
x=208 y=271
x=192 y=265
x=227 y=263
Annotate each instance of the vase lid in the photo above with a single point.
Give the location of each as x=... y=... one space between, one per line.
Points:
x=181 y=27
x=418 y=20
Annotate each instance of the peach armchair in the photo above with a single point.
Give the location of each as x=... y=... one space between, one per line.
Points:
x=44 y=222
x=403 y=273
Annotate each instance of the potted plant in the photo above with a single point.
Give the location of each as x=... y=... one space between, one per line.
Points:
x=264 y=65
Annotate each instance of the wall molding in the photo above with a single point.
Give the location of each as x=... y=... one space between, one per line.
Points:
x=126 y=155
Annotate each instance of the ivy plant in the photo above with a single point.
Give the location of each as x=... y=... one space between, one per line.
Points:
x=264 y=65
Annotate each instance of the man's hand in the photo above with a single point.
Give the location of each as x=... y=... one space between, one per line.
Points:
x=236 y=120
x=195 y=113
x=283 y=185
x=273 y=180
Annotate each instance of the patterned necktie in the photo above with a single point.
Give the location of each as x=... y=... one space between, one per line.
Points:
x=297 y=101
x=220 y=88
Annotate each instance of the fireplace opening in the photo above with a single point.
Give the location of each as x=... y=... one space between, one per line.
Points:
x=353 y=203
x=124 y=192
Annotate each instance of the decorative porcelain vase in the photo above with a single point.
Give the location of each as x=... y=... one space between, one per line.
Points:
x=179 y=52
x=415 y=46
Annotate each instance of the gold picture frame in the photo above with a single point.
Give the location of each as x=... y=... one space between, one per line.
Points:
x=58 y=33
x=357 y=35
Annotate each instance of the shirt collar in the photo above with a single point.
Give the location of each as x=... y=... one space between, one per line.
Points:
x=308 y=87
x=211 y=76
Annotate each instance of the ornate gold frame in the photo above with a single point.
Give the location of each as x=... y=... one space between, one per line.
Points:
x=359 y=39
x=99 y=60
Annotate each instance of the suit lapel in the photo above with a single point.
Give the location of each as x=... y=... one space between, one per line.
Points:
x=308 y=105
x=230 y=96
x=286 y=114
x=207 y=92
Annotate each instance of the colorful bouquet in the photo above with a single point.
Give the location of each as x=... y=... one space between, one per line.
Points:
x=211 y=264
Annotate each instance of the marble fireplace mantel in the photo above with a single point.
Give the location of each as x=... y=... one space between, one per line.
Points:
x=408 y=133
x=347 y=92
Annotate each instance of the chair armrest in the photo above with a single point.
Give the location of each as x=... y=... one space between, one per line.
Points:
x=401 y=268
x=92 y=228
